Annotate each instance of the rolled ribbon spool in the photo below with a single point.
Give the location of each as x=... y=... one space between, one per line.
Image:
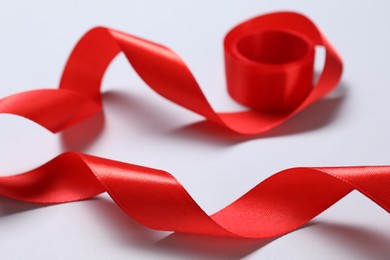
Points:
x=269 y=70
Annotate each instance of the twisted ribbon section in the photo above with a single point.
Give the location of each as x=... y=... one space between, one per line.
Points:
x=261 y=73
x=269 y=67
x=154 y=198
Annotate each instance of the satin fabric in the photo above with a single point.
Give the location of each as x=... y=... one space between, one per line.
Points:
x=154 y=198
x=165 y=72
x=278 y=205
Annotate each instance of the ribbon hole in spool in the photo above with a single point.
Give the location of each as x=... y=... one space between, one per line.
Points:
x=273 y=70
x=273 y=47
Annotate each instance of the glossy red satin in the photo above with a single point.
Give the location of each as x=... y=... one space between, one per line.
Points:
x=263 y=74
x=154 y=198
x=269 y=67
x=277 y=78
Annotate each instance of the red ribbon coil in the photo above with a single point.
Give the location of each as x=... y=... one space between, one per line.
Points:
x=261 y=73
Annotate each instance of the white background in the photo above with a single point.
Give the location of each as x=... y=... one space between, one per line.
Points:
x=350 y=127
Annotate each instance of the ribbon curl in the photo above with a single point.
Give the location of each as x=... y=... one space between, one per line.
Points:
x=264 y=80
x=154 y=198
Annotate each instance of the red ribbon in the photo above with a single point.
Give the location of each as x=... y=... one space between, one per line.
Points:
x=261 y=73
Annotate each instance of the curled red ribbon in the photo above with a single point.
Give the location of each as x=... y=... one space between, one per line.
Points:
x=154 y=198
x=274 y=80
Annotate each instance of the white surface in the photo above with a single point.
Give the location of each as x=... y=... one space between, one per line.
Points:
x=351 y=128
